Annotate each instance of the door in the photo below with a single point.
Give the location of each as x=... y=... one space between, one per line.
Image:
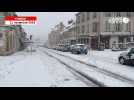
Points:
x=94 y=43
x=105 y=40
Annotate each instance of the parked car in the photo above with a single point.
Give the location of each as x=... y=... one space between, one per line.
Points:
x=64 y=48
x=79 y=49
x=59 y=47
x=70 y=48
x=127 y=57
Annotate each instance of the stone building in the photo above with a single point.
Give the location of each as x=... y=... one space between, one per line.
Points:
x=68 y=35
x=11 y=36
x=55 y=35
x=93 y=28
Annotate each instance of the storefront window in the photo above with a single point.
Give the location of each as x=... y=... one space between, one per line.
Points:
x=128 y=39
x=121 y=39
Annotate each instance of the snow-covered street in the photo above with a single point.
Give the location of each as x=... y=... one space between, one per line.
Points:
x=107 y=60
x=36 y=69
x=51 y=68
x=104 y=62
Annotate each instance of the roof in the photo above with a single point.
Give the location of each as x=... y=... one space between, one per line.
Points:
x=68 y=27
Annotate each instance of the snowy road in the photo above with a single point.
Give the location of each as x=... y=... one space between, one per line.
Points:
x=111 y=79
x=37 y=70
x=106 y=60
x=50 y=68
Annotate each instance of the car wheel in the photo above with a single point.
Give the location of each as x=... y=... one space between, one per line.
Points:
x=122 y=61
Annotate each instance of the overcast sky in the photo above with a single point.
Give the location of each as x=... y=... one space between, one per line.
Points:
x=45 y=21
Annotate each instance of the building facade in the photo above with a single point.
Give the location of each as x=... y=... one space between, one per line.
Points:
x=11 y=36
x=68 y=35
x=54 y=36
x=93 y=28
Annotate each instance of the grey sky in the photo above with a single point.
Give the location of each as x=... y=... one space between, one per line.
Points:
x=46 y=21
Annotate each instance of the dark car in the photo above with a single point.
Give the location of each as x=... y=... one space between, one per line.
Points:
x=79 y=49
x=127 y=57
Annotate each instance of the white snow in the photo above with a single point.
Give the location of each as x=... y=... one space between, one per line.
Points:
x=37 y=69
x=34 y=70
x=106 y=60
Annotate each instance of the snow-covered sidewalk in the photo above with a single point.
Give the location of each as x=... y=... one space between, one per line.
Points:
x=35 y=70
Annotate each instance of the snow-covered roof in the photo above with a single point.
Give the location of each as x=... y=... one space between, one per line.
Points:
x=72 y=25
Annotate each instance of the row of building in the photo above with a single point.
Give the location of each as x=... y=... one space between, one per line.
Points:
x=12 y=37
x=93 y=28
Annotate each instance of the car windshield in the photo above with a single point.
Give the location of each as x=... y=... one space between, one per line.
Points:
x=132 y=50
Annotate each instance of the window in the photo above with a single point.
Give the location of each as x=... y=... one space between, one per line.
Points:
x=1 y=20
x=88 y=15
x=83 y=29
x=78 y=19
x=121 y=39
x=107 y=26
x=108 y=14
x=117 y=14
x=118 y=27
x=95 y=27
x=6 y=14
x=1 y=35
x=128 y=27
x=94 y=15
x=128 y=39
x=128 y=14
x=83 y=17
x=87 y=28
x=78 y=29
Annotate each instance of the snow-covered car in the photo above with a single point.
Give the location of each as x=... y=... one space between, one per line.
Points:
x=65 y=48
x=79 y=49
x=127 y=57
x=71 y=47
